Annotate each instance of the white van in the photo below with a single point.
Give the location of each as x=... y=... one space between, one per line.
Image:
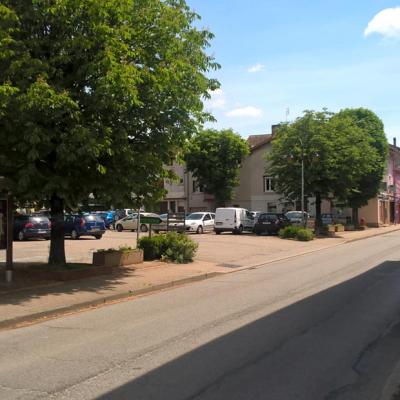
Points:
x=232 y=219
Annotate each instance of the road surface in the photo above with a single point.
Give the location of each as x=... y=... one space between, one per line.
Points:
x=319 y=326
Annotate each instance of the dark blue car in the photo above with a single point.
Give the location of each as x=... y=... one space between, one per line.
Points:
x=31 y=226
x=77 y=225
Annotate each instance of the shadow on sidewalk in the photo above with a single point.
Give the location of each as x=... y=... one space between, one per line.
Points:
x=308 y=350
x=30 y=285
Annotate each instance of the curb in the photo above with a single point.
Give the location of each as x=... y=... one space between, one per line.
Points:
x=22 y=321
x=52 y=314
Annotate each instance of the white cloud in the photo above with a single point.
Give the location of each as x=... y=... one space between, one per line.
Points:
x=249 y=112
x=217 y=101
x=386 y=23
x=256 y=68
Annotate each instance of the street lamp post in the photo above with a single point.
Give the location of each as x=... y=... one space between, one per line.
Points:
x=302 y=182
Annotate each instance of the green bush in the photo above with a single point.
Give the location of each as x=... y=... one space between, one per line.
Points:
x=170 y=247
x=179 y=248
x=304 y=235
x=290 y=232
x=152 y=247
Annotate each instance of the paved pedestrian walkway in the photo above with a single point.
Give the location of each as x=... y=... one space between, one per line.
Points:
x=21 y=305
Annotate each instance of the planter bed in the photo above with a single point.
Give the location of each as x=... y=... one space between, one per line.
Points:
x=117 y=258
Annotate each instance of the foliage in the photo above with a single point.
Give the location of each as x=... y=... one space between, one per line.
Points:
x=169 y=247
x=336 y=153
x=153 y=247
x=179 y=248
x=96 y=97
x=296 y=232
x=304 y=235
x=368 y=183
x=214 y=158
x=122 y=249
x=289 y=232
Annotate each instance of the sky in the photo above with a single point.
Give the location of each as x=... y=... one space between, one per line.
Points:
x=281 y=57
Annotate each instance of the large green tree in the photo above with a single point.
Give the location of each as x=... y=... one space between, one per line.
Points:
x=214 y=158
x=335 y=152
x=369 y=181
x=95 y=97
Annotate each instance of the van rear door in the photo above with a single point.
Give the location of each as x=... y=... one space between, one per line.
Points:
x=225 y=218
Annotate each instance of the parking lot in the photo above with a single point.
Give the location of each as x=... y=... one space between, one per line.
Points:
x=232 y=251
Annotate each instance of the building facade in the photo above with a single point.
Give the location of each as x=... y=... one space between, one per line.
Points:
x=256 y=190
x=185 y=194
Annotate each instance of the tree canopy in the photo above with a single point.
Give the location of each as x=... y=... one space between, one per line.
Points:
x=370 y=179
x=336 y=153
x=214 y=158
x=96 y=96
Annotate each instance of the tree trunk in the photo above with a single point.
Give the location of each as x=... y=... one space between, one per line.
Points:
x=57 y=249
x=354 y=216
x=318 y=221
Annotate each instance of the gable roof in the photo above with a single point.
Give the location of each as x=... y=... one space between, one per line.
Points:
x=256 y=141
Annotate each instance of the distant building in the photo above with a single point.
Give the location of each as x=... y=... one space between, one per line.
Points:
x=185 y=195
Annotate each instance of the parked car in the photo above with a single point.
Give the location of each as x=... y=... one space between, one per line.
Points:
x=172 y=222
x=108 y=218
x=130 y=222
x=200 y=222
x=270 y=223
x=31 y=226
x=327 y=219
x=77 y=225
x=295 y=217
x=232 y=219
x=255 y=215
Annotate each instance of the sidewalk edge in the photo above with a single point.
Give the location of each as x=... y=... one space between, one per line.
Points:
x=22 y=321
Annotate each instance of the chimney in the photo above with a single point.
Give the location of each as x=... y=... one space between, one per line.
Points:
x=394 y=142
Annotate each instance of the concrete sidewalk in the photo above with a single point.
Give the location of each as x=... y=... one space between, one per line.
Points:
x=28 y=305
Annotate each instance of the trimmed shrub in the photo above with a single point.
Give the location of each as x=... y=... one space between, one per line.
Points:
x=289 y=232
x=179 y=248
x=170 y=247
x=152 y=247
x=304 y=235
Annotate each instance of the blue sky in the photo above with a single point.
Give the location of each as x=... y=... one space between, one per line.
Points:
x=302 y=54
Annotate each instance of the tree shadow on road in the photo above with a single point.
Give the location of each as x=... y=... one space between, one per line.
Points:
x=287 y=354
x=35 y=281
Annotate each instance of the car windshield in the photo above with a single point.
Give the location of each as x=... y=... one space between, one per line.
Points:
x=195 y=216
x=294 y=214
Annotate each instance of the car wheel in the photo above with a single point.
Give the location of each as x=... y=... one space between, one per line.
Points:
x=217 y=232
x=21 y=236
x=120 y=228
x=98 y=237
x=143 y=228
x=156 y=231
x=239 y=230
x=258 y=233
x=47 y=238
x=74 y=235
x=199 y=229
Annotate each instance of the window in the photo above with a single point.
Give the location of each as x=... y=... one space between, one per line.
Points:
x=271 y=207
x=269 y=184
x=197 y=188
x=207 y=217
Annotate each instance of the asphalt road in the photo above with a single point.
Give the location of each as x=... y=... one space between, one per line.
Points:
x=321 y=326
